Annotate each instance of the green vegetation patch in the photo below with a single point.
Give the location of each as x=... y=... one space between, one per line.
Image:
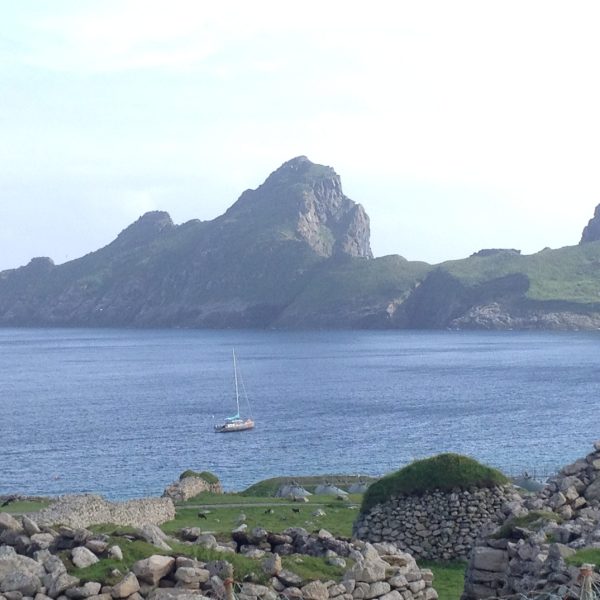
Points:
x=269 y=487
x=206 y=475
x=584 y=556
x=25 y=506
x=311 y=568
x=137 y=550
x=534 y=521
x=220 y=521
x=448 y=578
x=444 y=472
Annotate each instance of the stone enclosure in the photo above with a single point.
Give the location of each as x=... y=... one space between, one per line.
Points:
x=529 y=552
x=435 y=525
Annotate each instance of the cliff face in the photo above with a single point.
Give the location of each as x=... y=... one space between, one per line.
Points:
x=591 y=233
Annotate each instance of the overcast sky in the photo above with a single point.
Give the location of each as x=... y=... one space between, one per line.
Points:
x=457 y=125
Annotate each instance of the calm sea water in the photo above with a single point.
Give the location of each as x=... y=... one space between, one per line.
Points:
x=123 y=412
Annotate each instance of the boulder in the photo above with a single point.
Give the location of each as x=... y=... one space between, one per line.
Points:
x=489 y=559
x=9 y=522
x=58 y=582
x=82 y=557
x=21 y=581
x=97 y=546
x=367 y=571
x=315 y=590
x=126 y=587
x=154 y=535
x=151 y=570
x=30 y=526
x=115 y=552
x=87 y=590
x=593 y=491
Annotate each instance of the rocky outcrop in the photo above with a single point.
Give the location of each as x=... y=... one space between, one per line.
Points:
x=528 y=552
x=327 y=220
x=591 y=232
x=89 y=509
x=435 y=525
x=188 y=487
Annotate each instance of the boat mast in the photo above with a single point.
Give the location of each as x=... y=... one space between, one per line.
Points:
x=237 y=392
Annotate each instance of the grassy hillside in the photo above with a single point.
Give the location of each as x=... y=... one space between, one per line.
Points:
x=570 y=274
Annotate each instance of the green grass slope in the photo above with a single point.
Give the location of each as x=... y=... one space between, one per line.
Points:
x=570 y=274
x=443 y=472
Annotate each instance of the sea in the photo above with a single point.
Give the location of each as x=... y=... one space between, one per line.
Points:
x=123 y=412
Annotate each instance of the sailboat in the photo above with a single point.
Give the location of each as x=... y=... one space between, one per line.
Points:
x=236 y=422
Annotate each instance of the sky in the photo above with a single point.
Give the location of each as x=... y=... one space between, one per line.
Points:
x=457 y=125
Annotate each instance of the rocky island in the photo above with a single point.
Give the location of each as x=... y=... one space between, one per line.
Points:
x=295 y=253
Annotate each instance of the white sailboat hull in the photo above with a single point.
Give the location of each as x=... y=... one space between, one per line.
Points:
x=237 y=425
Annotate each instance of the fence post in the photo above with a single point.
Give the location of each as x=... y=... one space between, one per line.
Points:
x=586 y=573
x=228 y=572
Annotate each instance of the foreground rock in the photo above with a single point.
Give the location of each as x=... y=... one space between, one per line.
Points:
x=528 y=552
x=379 y=571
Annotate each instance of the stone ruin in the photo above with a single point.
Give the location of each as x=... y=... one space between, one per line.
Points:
x=528 y=553
x=187 y=487
x=435 y=525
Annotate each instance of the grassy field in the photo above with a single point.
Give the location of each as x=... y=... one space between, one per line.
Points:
x=448 y=578
x=24 y=506
x=220 y=521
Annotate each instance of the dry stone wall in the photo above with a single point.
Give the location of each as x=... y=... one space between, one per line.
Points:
x=528 y=552
x=436 y=525
x=31 y=566
x=88 y=509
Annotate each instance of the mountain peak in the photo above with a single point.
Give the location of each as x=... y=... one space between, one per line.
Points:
x=145 y=229
x=591 y=232
x=307 y=200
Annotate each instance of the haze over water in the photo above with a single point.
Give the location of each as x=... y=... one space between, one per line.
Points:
x=123 y=412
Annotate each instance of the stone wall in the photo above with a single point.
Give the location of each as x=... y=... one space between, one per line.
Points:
x=436 y=525
x=89 y=509
x=188 y=487
x=529 y=551
x=31 y=563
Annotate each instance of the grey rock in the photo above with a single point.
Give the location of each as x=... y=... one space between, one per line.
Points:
x=315 y=590
x=21 y=581
x=8 y=522
x=126 y=587
x=592 y=493
x=176 y=594
x=155 y=536
x=82 y=557
x=151 y=570
x=97 y=546
x=30 y=526
x=289 y=579
x=58 y=582
x=489 y=559
x=271 y=565
x=115 y=552
x=87 y=590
